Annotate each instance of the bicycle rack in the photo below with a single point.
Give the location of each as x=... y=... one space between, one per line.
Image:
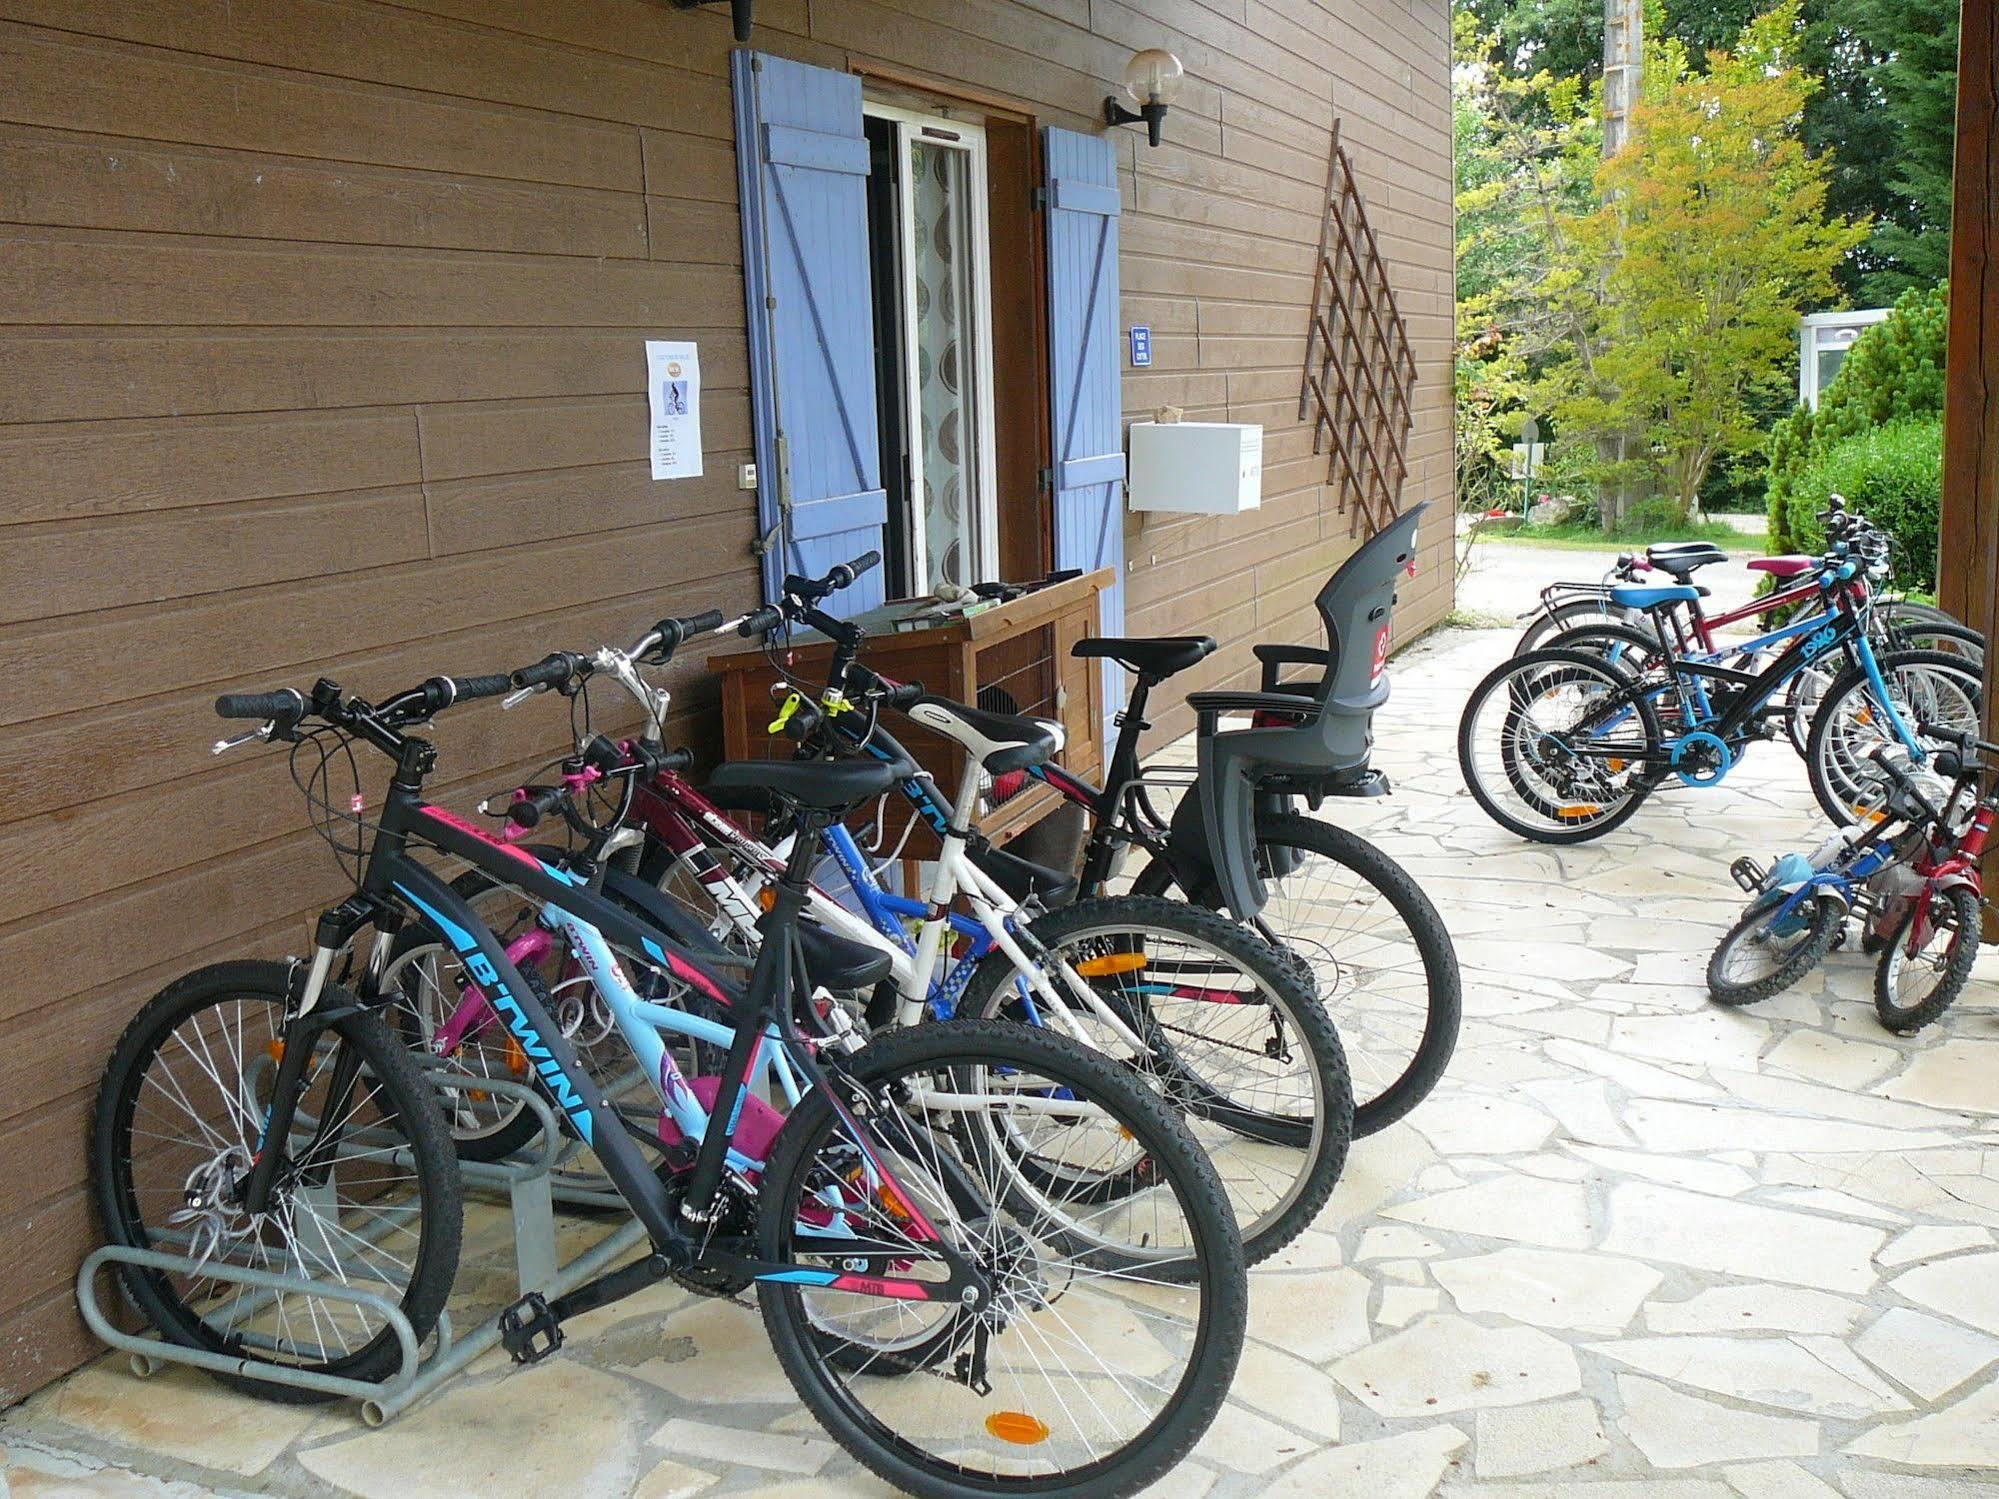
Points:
x=534 y=1181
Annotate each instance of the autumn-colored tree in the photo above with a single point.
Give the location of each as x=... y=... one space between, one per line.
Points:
x=1709 y=238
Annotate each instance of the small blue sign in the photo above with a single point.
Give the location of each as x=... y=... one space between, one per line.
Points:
x=1141 y=345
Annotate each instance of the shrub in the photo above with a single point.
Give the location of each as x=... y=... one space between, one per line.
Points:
x=1790 y=447
x=1893 y=373
x=1893 y=475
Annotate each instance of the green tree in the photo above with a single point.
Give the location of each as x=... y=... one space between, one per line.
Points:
x=1883 y=112
x=1688 y=277
x=1914 y=75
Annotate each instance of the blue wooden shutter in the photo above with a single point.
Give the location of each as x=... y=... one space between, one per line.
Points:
x=802 y=163
x=1088 y=480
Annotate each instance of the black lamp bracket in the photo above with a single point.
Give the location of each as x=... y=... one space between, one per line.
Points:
x=1153 y=113
x=739 y=13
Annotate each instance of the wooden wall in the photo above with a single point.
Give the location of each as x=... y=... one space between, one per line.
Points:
x=321 y=353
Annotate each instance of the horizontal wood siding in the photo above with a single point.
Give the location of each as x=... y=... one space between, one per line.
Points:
x=322 y=322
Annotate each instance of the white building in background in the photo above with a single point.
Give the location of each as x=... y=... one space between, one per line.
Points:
x=1823 y=339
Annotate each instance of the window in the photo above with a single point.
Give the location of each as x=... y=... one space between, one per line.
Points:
x=1823 y=341
x=931 y=277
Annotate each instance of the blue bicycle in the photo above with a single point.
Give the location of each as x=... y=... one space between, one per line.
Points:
x=1563 y=745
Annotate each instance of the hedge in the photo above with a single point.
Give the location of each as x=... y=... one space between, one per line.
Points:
x=1893 y=475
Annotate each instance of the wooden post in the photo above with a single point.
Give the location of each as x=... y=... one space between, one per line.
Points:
x=1968 y=529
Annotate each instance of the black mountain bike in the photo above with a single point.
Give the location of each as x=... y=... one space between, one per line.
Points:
x=950 y=1316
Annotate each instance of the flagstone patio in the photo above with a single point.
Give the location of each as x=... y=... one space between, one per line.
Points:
x=1635 y=1245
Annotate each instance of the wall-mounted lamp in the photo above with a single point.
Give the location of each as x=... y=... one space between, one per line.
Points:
x=1152 y=79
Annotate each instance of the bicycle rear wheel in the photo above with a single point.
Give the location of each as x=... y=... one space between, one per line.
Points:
x=1085 y=1374
x=1554 y=746
x=1234 y=1037
x=367 y=1191
x=1379 y=954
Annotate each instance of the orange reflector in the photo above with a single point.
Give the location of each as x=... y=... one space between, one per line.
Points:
x=1580 y=809
x=276 y=1050
x=1109 y=963
x=1017 y=1427
x=517 y=1059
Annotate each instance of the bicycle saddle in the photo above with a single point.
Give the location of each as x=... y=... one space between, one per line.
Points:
x=1637 y=596
x=1000 y=741
x=1792 y=565
x=836 y=962
x=1680 y=559
x=1158 y=657
x=822 y=785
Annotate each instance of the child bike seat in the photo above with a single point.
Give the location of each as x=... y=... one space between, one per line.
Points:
x=1158 y=657
x=1318 y=733
x=1637 y=596
x=1791 y=566
x=1000 y=741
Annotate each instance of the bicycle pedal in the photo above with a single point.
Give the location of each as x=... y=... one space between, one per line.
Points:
x=1747 y=873
x=529 y=1331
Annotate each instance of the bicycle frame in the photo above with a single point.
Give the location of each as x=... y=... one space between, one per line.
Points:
x=1842 y=627
x=684 y=821
x=766 y=1044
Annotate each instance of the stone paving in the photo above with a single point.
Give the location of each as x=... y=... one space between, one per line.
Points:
x=1634 y=1247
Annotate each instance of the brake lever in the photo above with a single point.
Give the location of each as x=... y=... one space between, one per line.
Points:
x=234 y=741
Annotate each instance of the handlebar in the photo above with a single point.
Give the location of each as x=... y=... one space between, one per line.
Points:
x=811 y=590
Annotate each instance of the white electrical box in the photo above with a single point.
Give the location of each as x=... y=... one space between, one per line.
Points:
x=1196 y=468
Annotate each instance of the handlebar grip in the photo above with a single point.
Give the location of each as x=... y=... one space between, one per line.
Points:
x=286 y=702
x=767 y=618
x=848 y=571
x=550 y=671
x=532 y=803
x=1962 y=738
x=673 y=633
x=467 y=689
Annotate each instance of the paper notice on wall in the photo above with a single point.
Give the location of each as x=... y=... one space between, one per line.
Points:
x=673 y=386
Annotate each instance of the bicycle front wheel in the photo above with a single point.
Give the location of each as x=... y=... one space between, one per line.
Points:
x=1379 y=953
x=1761 y=955
x=366 y=1194
x=1927 y=963
x=1230 y=1031
x=1082 y=1375
x=1853 y=720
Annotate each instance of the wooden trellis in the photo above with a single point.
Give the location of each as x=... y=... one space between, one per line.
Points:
x=1360 y=375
